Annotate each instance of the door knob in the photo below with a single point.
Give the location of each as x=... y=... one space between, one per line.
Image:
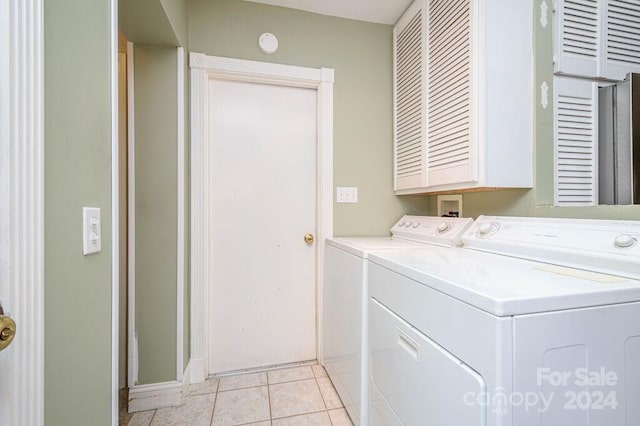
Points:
x=7 y=330
x=308 y=238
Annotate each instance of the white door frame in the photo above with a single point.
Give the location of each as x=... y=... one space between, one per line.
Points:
x=22 y=202
x=204 y=68
x=115 y=213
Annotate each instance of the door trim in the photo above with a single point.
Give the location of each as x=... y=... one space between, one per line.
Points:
x=22 y=199
x=203 y=68
x=132 y=342
x=115 y=215
x=180 y=241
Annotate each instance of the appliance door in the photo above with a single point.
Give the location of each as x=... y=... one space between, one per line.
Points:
x=421 y=382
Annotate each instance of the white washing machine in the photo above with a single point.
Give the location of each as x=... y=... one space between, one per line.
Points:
x=535 y=322
x=345 y=300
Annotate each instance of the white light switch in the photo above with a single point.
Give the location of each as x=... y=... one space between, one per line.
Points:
x=346 y=194
x=91 y=235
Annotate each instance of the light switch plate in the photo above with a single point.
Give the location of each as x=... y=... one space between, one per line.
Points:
x=91 y=233
x=346 y=194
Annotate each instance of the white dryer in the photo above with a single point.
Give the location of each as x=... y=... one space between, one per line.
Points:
x=535 y=322
x=345 y=300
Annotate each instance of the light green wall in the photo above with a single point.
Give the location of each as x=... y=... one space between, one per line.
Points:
x=146 y=21
x=176 y=11
x=155 y=83
x=77 y=163
x=538 y=201
x=361 y=54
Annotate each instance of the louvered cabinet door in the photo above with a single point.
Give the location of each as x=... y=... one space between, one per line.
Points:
x=409 y=100
x=622 y=35
x=597 y=38
x=575 y=142
x=577 y=37
x=449 y=138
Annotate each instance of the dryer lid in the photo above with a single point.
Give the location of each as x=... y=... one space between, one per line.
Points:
x=606 y=246
x=503 y=285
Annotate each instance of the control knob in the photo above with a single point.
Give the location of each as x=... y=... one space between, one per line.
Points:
x=443 y=227
x=408 y=224
x=485 y=228
x=624 y=241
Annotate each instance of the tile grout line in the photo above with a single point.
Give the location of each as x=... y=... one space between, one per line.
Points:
x=269 y=399
x=295 y=415
x=268 y=384
x=215 y=399
x=153 y=417
x=326 y=408
x=322 y=395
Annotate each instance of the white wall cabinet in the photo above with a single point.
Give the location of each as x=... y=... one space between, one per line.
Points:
x=463 y=93
x=597 y=38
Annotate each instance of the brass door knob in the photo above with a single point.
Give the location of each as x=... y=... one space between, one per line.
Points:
x=7 y=331
x=308 y=238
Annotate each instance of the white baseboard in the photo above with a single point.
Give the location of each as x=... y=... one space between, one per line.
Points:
x=156 y=395
x=160 y=395
x=197 y=370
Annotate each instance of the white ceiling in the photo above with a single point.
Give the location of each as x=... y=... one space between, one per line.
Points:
x=380 y=11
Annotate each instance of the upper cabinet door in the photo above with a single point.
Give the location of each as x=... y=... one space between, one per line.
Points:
x=577 y=37
x=597 y=38
x=622 y=38
x=449 y=150
x=575 y=141
x=409 y=41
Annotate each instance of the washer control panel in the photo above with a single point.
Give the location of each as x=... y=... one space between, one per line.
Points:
x=445 y=231
x=607 y=246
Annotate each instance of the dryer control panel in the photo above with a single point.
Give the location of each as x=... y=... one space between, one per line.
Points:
x=444 y=231
x=608 y=246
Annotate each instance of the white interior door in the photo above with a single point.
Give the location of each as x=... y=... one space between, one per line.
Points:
x=5 y=359
x=21 y=213
x=263 y=141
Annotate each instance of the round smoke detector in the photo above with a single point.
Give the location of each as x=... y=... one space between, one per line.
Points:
x=268 y=43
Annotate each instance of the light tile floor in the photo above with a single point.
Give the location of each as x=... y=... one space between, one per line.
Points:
x=295 y=396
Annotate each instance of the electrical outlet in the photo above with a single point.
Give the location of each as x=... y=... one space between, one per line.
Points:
x=91 y=230
x=346 y=194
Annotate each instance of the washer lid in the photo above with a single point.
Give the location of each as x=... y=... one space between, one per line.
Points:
x=506 y=286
